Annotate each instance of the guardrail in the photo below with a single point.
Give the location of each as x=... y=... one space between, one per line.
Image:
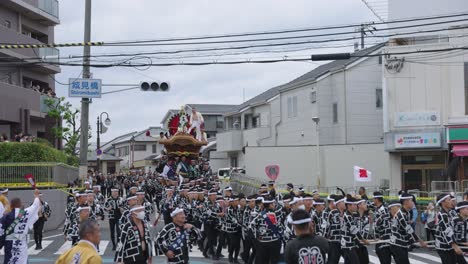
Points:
x=12 y=175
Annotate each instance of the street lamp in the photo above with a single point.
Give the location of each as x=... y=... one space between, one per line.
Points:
x=317 y=120
x=101 y=129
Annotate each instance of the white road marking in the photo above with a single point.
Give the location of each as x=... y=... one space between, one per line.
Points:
x=426 y=256
x=66 y=246
x=373 y=259
x=102 y=246
x=32 y=251
x=52 y=236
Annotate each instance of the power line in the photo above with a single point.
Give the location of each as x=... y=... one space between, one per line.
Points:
x=295 y=30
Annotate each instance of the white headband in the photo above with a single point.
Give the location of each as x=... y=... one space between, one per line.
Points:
x=378 y=196
x=318 y=203
x=131 y=197
x=302 y=221
x=115 y=190
x=405 y=197
x=443 y=198
x=133 y=187
x=307 y=198
x=83 y=208
x=140 y=192
x=461 y=206
x=395 y=204
x=4 y=191
x=211 y=193
x=339 y=201
x=176 y=211
x=137 y=208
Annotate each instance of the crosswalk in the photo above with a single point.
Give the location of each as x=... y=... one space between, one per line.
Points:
x=56 y=248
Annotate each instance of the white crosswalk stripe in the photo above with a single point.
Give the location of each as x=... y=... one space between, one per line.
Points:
x=373 y=259
x=196 y=253
x=426 y=256
x=32 y=250
x=66 y=246
x=102 y=246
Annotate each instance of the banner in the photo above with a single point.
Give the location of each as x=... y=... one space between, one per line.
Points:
x=362 y=175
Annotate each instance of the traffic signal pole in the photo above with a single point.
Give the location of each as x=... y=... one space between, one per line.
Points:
x=83 y=170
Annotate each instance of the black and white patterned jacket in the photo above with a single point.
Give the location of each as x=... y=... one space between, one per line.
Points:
x=112 y=206
x=173 y=238
x=382 y=224
x=333 y=231
x=262 y=231
x=233 y=220
x=444 y=235
x=130 y=243
x=350 y=232
x=403 y=234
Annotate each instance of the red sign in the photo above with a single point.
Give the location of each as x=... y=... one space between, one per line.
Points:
x=272 y=171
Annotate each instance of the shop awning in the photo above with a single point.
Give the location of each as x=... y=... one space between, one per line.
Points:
x=460 y=150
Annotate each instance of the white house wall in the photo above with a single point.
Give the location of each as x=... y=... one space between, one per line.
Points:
x=364 y=119
x=298 y=164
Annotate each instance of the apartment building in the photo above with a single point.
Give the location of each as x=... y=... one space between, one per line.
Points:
x=23 y=86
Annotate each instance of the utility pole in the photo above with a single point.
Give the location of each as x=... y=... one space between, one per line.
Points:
x=83 y=171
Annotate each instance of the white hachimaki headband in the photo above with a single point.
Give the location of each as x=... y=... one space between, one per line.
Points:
x=140 y=192
x=136 y=208
x=349 y=202
x=131 y=197
x=294 y=200
x=393 y=204
x=83 y=208
x=211 y=193
x=340 y=201
x=176 y=211
x=133 y=187
x=443 y=198
x=302 y=221
x=461 y=206
x=377 y=196
x=114 y=190
x=318 y=203
x=307 y=198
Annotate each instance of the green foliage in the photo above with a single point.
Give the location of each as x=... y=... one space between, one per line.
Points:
x=69 y=132
x=43 y=142
x=33 y=152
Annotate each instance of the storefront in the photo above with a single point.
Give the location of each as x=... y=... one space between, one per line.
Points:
x=457 y=138
x=422 y=157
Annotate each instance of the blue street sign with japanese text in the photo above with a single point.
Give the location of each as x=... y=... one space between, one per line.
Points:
x=85 y=88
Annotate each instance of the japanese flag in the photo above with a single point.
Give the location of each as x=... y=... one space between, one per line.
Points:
x=30 y=178
x=362 y=175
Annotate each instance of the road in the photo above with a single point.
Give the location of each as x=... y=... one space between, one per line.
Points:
x=54 y=244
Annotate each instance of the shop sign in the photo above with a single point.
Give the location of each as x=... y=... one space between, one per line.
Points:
x=457 y=134
x=407 y=119
x=417 y=140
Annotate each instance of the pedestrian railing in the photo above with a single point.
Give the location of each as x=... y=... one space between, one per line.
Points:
x=444 y=186
x=464 y=186
x=12 y=175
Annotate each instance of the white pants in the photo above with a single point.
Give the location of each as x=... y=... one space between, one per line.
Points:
x=196 y=124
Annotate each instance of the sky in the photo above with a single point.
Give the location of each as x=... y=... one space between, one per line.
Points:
x=117 y=20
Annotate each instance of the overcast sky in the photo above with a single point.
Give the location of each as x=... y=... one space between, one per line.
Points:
x=114 y=20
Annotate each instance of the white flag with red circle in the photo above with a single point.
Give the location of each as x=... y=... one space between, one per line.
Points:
x=362 y=175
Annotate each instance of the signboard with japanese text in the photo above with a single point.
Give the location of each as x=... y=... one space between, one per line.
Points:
x=418 y=140
x=407 y=119
x=85 y=88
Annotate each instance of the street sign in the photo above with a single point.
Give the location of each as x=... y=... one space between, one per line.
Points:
x=98 y=153
x=85 y=88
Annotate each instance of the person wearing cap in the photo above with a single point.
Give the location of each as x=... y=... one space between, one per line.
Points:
x=307 y=247
x=112 y=207
x=247 y=234
x=4 y=203
x=268 y=232
x=333 y=230
x=71 y=213
x=351 y=235
x=14 y=227
x=44 y=214
x=308 y=202
x=212 y=213
x=403 y=235
x=135 y=245
x=172 y=239
x=382 y=230
x=445 y=241
x=460 y=224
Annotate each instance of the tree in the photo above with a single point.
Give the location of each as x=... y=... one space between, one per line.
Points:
x=70 y=129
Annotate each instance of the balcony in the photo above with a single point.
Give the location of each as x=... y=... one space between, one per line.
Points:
x=229 y=141
x=253 y=135
x=13 y=98
x=45 y=12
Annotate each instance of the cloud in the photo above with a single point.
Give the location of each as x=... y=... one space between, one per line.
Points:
x=114 y=20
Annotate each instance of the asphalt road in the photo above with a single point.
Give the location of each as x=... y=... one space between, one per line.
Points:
x=54 y=244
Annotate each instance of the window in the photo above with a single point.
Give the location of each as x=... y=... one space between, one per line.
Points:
x=292 y=106
x=219 y=122
x=7 y=23
x=154 y=148
x=256 y=121
x=7 y=78
x=139 y=147
x=378 y=98
x=313 y=97
x=335 y=113
x=234 y=162
x=466 y=87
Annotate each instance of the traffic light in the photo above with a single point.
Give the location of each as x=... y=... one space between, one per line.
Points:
x=154 y=86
